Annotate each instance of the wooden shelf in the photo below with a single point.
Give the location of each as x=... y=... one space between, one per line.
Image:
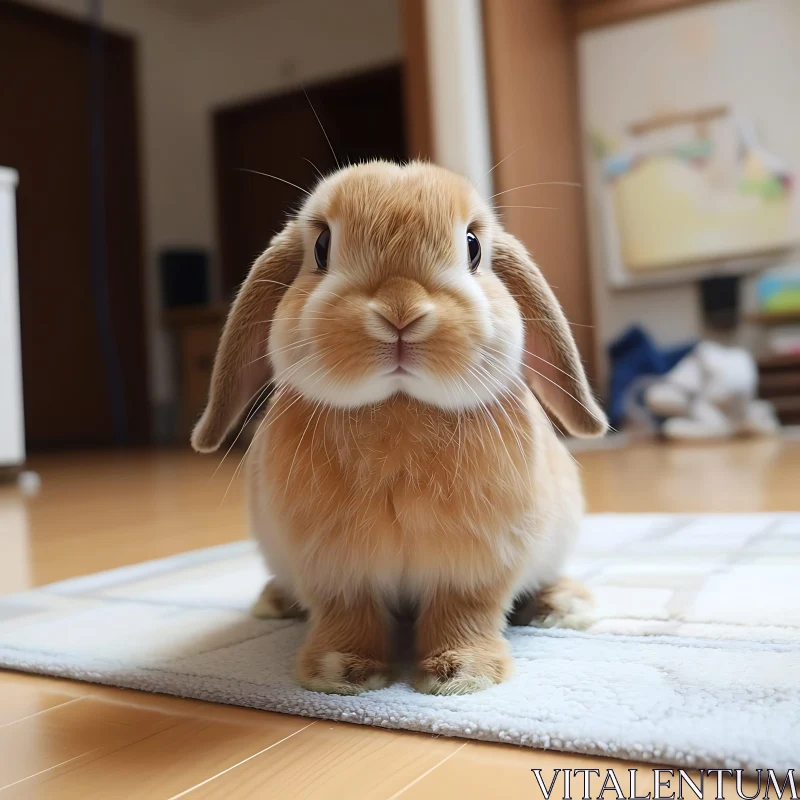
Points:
x=773 y=318
x=196 y=330
x=786 y=405
x=779 y=362
x=779 y=382
x=589 y=14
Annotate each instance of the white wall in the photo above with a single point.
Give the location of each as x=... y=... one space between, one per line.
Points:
x=190 y=64
x=742 y=53
x=459 y=108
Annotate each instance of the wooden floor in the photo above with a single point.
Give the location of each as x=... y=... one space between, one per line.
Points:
x=97 y=511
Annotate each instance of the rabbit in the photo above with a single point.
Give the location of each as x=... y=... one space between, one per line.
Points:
x=406 y=458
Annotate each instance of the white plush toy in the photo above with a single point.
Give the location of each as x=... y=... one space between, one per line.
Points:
x=711 y=393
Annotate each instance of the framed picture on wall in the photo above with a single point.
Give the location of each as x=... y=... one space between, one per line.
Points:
x=691 y=162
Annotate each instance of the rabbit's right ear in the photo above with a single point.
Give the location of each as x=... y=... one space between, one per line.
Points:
x=241 y=366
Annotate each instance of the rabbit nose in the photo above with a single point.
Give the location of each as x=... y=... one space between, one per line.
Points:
x=402 y=308
x=406 y=322
x=411 y=324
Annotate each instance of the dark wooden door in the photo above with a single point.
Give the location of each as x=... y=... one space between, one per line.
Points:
x=80 y=262
x=363 y=117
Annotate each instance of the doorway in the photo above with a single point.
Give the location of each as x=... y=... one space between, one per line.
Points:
x=79 y=251
x=361 y=115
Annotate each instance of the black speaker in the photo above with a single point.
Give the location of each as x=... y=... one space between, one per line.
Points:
x=184 y=277
x=720 y=299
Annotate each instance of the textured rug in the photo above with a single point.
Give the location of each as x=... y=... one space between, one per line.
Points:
x=693 y=659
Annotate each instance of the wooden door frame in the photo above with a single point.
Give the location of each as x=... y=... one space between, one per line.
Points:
x=531 y=75
x=589 y=14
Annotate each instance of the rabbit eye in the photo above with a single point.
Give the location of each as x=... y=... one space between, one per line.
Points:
x=474 y=249
x=322 y=248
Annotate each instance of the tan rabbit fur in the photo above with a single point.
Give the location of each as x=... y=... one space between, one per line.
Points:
x=404 y=459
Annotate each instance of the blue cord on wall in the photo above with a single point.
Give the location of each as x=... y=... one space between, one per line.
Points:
x=99 y=244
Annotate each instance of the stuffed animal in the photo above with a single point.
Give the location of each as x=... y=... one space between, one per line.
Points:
x=711 y=393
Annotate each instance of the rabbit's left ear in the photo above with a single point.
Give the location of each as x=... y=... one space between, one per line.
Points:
x=552 y=364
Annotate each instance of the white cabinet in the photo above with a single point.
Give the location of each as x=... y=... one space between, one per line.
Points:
x=12 y=428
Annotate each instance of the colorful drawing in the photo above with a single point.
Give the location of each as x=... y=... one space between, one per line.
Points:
x=696 y=186
x=779 y=293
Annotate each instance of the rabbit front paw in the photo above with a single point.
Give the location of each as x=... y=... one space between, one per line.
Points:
x=464 y=670
x=334 y=672
x=347 y=648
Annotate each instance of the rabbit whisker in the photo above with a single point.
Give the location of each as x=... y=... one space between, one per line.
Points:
x=563 y=372
x=314 y=433
x=491 y=417
x=544 y=319
x=322 y=128
x=504 y=390
x=540 y=183
x=283 y=378
x=274 y=177
x=267 y=417
x=566 y=392
x=316 y=168
x=500 y=406
x=288 y=347
x=533 y=355
x=313 y=316
x=505 y=158
x=259 y=404
x=523 y=385
x=309 y=317
x=505 y=393
x=296 y=288
x=310 y=419
x=547 y=208
x=257 y=399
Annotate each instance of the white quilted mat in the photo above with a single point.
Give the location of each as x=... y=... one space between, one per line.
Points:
x=694 y=659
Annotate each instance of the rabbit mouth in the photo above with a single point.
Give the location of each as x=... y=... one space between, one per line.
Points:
x=402 y=358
